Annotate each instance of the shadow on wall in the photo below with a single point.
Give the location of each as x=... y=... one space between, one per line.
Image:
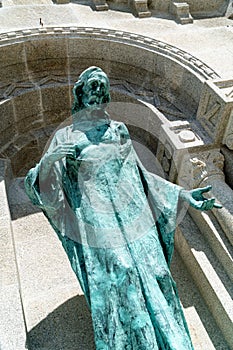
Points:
x=67 y=327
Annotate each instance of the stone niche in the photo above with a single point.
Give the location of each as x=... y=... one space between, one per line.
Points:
x=36 y=81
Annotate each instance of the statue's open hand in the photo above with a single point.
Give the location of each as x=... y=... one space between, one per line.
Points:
x=196 y=200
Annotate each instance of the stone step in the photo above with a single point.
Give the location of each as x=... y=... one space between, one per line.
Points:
x=208 y=274
x=203 y=329
x=217 y=240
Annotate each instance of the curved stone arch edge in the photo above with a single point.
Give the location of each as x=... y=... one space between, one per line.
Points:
x=181 y=56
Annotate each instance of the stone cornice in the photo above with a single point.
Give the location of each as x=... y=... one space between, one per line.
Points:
x=147 y=43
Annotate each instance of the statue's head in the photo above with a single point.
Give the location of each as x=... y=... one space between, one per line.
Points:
x=91 y=90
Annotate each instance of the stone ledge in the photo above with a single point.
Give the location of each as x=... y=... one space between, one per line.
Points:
x=200 y=260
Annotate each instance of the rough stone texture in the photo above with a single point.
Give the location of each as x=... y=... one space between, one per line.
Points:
x=215 y=109
x=210 y=8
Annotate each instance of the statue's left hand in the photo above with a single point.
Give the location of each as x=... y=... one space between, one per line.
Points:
x=195 y=199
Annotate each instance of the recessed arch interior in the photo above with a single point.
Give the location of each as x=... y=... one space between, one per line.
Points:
x=38 y=71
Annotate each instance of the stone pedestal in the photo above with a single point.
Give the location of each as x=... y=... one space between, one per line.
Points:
x=100 y=5
x=140 y=8
x=181 y=12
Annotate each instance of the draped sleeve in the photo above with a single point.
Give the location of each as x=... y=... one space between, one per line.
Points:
x=44 y=186
x=46 y=190
x=163 y=197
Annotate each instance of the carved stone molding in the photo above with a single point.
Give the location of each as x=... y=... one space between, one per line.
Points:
x=176 y=140
x=215 y=109
x=197 y=168
x=17 y=88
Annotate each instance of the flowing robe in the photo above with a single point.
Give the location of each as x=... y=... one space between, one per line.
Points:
x=116 y=222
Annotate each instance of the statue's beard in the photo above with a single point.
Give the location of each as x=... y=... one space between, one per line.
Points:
x=96 y=101
x=91 y=115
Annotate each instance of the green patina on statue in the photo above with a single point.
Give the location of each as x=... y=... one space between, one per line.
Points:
x=116 y=222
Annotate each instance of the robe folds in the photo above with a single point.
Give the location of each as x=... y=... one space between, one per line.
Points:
x=116 y=222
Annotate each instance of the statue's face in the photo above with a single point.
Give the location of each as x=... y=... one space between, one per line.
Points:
x=95 y=90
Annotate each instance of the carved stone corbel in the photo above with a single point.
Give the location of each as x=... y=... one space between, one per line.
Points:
x=206 y=168
x=198 y=169
x=175 y=140
x=100 y=5
x=140 y=8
